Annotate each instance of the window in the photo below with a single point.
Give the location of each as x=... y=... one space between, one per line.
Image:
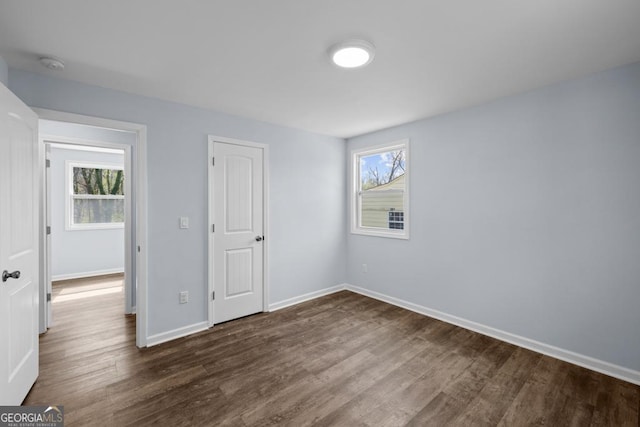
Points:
x=380 y=199
x=95 y=196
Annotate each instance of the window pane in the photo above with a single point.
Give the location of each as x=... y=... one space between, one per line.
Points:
x=98 y=211
x=381 y=168
x=396 y=220
x=98 y=181
x=382 y=184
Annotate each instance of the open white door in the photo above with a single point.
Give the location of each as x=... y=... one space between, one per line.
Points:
x=19 y=220
x=238 y=206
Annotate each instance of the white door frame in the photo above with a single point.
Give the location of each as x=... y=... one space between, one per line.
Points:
x=137 y=158
x=45 y=314
x=267 y=237
x=128 y=265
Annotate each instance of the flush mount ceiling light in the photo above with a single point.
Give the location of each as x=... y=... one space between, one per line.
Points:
x=52 y=63
x=352 y=53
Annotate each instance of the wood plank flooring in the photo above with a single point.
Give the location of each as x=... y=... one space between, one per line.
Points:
x=340 y=360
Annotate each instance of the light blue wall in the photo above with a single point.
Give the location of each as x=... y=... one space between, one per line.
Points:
x=525 y=216
x=307 y=193
x=78 y=252
x=4 y=72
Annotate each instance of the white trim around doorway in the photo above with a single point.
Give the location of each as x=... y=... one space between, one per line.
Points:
x=138 y=159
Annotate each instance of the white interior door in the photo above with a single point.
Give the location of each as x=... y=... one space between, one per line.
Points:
x=19 y=220
x=237 y=201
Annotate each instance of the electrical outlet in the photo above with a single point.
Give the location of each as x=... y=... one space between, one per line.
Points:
x=365 y=268
x=184 y=297
x=184 y=222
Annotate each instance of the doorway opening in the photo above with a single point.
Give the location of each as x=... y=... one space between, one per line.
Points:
x=86 y=216
x=93 y=221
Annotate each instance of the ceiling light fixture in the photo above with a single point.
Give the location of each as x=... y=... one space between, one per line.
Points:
x=52 y=63
x=352 y=53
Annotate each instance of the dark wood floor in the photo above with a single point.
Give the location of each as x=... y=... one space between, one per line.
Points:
x=343 y=360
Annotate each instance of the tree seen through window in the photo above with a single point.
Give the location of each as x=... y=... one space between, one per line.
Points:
x=98 y=195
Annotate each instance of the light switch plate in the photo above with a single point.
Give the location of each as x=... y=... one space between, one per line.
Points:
x=184 y=222
x=184 y=297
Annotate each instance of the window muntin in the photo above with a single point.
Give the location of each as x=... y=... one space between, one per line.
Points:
x=95 y=196
x=396 y=220
x=380 y=191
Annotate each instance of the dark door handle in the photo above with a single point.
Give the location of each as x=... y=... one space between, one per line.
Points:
x=259 y=238
x=6 y=275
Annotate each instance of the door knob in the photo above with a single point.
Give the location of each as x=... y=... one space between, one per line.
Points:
x=6 y=275
x=259 y=238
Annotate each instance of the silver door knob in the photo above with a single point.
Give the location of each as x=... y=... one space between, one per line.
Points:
x=259 y=238
x=6 y=275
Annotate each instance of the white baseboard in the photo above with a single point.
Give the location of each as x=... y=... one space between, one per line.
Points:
x=306 y=297
x=597 y=365
x=176 y=333
x=86 y=274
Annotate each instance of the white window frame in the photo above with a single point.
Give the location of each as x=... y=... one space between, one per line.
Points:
x=356 y=192
x=70 y=197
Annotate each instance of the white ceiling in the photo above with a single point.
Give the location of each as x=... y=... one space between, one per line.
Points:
x=267 y=60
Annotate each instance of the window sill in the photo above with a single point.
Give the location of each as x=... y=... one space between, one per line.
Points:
x=91 y=227
x=386 y=234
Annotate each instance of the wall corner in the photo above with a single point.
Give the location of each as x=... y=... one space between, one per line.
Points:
x=4 y=72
